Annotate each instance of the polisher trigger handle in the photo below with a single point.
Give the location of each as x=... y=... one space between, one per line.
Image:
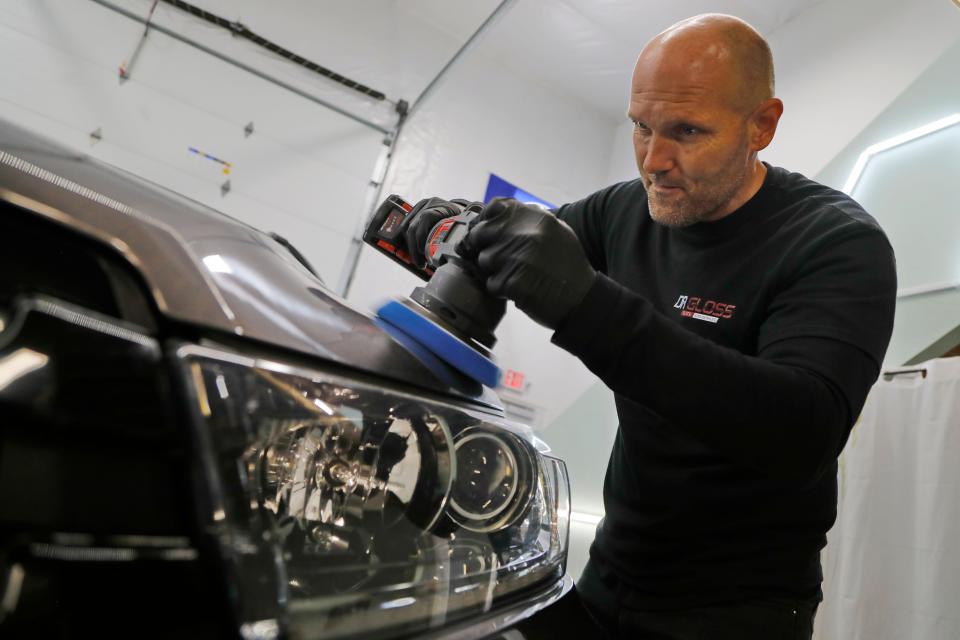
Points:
x=445 y=236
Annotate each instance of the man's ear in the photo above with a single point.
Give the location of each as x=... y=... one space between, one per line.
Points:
x=763 y=123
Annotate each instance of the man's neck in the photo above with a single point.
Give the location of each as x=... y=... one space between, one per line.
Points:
x=752 y=184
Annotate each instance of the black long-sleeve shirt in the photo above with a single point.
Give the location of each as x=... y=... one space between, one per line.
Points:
x=740 y=353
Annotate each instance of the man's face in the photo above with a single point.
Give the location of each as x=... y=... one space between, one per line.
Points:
x=691 y=142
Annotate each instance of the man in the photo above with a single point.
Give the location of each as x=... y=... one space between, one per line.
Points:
x=740 y=314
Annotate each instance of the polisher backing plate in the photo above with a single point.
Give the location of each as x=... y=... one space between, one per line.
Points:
x=441 y=342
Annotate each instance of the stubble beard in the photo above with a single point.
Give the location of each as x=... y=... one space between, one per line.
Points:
x=697 y=204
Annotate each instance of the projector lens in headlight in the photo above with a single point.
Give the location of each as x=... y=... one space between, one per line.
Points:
x=346 y=509
x=494 y=472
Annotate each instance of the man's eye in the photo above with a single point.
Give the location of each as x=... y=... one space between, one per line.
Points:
x=689 y=131
x=640 y=127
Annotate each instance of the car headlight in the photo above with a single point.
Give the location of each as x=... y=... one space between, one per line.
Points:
x=345 y=508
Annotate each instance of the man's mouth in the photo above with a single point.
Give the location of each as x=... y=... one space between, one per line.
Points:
x=664 y=189
x=659 y=186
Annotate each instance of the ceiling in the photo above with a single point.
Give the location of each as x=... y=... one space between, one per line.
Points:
x=586 y=48
x=580 y=49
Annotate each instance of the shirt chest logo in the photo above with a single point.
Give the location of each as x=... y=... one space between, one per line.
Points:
x=705 y=310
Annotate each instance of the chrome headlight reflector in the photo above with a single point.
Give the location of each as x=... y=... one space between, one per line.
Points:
x=378 y=511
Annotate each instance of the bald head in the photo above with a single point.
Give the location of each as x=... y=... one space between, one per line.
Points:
x=702 y=106
x=720 y=51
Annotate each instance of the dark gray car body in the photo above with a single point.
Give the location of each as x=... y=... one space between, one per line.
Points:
x=200 y=276
x=210 y=270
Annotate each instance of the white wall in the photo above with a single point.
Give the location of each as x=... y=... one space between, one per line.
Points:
x=913 y=191
x=887 y=75
x=623 y=163
x=841 y=63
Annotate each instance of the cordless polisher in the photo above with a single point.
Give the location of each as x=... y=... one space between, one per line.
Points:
x=453 y=316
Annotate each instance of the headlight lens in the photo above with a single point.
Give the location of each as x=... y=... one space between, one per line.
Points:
x=347 y=509
x=493 y=482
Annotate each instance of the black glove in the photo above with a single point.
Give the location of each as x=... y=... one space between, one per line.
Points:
x=531 y=257
x=424 y=216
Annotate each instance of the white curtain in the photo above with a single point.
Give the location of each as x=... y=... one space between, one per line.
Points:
x=892 y=563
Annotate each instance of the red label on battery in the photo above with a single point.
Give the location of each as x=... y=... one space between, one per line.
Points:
x=383 y=244
x=400 y=253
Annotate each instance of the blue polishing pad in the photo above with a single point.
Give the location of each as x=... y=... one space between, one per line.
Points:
x=441 y=342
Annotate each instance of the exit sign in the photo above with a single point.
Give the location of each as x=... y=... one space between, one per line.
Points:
x=513 y=380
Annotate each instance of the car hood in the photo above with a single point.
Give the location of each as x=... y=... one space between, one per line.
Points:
x=209 y=270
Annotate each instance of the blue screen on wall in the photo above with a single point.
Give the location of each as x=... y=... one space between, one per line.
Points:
x=497 y=187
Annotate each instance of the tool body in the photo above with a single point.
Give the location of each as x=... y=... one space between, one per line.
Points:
x=452 y=315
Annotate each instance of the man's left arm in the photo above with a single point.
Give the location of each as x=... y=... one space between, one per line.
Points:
x=786 y=411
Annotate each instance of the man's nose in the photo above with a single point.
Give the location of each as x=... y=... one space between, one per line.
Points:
x=659 y=155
